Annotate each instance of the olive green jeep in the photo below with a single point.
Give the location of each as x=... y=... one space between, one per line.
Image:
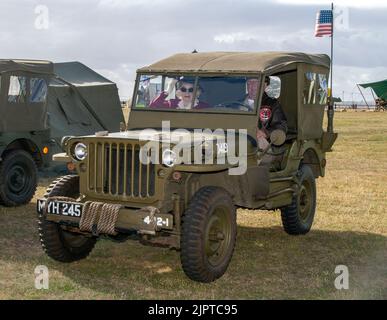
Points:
x=40 y=102
x=189 y=156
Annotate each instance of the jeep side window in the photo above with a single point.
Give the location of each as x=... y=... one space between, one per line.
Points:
x=38 y=90
x=315 y=88
x=17 y=89
x=310 y=88
x=322 y=90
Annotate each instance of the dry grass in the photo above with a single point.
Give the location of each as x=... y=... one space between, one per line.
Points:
x=350 y=229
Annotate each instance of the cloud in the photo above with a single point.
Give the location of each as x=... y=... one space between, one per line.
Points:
x=116 y=37
x=346 y=3
x=132 y=3
x=234 y=37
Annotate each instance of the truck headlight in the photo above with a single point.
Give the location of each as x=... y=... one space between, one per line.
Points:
x=169 y=158
x=80 y=151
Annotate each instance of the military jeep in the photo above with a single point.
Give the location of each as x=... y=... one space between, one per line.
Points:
x=25 y=143
x=40 y=102
x=142 y=183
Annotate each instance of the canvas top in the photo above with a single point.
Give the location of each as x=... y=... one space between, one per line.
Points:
x=78 y=74
x=79 y=100
x=35 y=66
x=379 y=87
x=234 y=62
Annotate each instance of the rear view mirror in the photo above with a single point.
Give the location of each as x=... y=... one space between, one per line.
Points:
x=277 y=137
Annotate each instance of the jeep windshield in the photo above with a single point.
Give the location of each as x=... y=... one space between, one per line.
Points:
x=197 y=94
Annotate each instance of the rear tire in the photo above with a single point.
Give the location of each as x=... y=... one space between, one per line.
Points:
x=57 y=243
x=208 y=234
x=18 y=178
x=297 y=218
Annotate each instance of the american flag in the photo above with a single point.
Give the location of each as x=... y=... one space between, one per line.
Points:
x=324 y=22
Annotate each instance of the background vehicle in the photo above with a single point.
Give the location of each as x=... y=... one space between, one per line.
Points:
x=192 y=207
x=40 y=102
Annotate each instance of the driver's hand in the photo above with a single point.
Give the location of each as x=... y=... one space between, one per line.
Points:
x=171 y=86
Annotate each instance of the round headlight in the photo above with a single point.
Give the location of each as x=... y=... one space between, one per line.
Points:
x=80 y=151
x=169 y=158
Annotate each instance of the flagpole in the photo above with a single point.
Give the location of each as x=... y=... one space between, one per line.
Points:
x=330 y=111
x=333 y=30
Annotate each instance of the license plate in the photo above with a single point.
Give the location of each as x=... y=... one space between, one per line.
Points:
x=161 y=221
x=61 y=208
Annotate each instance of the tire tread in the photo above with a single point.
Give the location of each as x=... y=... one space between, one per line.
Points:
x=51 y=234
x=193 y=223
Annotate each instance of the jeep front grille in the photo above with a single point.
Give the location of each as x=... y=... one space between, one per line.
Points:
x=115 y=169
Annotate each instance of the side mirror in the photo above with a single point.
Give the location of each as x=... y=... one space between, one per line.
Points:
x=274 y=88
x=277 y=137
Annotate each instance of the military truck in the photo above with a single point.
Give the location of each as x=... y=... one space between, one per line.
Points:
x=122 y=192
x=40 y=102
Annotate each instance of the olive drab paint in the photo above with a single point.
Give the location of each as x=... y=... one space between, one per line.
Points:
x=40 y=103
x=112 y=172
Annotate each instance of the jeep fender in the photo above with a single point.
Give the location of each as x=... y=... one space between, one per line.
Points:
x=28 y=146
x=313 y=156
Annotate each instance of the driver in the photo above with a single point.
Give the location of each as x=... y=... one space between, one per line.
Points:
x=247 y=102
x=184 y=96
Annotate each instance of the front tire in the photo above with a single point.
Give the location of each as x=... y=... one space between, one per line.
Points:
x=208 y=234
x=297 y=218
x=57 y=243
x=18 y=178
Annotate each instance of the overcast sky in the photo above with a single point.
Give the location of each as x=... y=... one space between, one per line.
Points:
x=115 y=37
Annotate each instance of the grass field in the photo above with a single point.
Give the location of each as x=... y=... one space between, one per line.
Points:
x=350 y=229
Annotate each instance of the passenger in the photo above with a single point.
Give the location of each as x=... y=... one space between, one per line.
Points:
x=271 y=117
x=184 y=96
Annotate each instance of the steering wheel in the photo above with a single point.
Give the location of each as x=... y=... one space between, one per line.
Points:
x=235 y=104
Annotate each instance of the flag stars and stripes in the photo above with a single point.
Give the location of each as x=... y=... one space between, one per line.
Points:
x=324 y=23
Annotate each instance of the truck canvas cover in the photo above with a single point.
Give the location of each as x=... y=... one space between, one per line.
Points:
x=18 y=113
x=67 y=98
x=82 y=102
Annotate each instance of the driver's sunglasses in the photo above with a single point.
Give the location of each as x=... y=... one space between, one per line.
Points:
x=184 y=89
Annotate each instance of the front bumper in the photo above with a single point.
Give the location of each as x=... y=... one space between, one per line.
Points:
x=146 y=220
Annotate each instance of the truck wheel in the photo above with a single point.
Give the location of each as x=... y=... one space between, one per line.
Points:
x=18 y=178
x=59 y=244
x=297 y=218
x=208 y=234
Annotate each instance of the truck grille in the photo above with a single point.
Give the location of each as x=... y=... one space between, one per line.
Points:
x=115 y=169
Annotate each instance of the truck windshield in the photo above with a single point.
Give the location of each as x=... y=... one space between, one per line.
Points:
x=223 y=94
